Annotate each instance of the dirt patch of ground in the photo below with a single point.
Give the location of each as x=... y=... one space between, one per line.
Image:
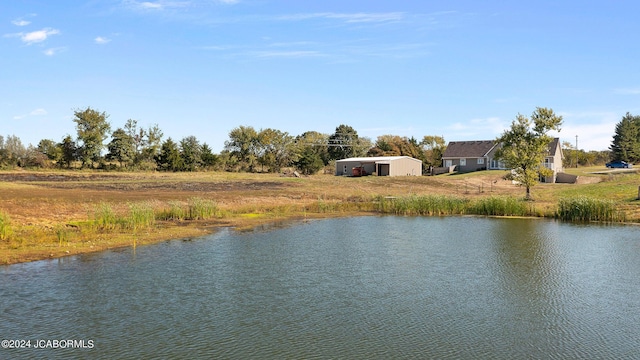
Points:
x=166 y=186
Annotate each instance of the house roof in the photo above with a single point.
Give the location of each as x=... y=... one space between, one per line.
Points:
x=471 y=149
x=376 y=159
x=481 y=148
x=553 y=146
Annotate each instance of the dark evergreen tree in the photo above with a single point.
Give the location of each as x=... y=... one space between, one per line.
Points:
x=169 y=158
x=191 y=153
x=346 y=143
x=208 y=158
x=626 y=141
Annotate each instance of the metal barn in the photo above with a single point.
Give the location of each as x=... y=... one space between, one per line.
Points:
x=381 y=166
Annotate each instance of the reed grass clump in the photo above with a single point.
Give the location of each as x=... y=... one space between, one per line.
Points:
x=62 y=234
x=422 y=205
x=104 y=217
x=583 y=209
x=436 y=205
x=201 y=209
x=195 y=209
x=175 y=211
x=500 y=206
x=5 y=227
x=141 y=216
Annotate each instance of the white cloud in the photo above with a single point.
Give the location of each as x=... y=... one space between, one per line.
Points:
x=595 y=130
x=151 y=5
x=53 y=51
x=36 y=112
x=155 y=5
x=37 y=36
x=101 y=40
x=20 y=22
x=349 y=18
x=288 y=54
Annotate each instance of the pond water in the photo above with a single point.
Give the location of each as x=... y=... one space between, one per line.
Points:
x=351 y=288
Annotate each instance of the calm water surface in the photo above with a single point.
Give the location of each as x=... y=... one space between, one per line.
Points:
x=353 y=288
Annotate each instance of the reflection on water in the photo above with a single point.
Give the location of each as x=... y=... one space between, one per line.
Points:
x=356 y=288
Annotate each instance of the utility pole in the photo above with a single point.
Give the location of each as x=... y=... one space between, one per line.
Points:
x=576 y=151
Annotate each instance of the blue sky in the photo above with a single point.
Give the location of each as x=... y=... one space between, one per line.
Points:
x=459 y=69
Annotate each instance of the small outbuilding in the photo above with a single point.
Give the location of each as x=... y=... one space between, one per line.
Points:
x=379 y=165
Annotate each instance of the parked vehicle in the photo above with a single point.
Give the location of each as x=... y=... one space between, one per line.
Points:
x=618 y=164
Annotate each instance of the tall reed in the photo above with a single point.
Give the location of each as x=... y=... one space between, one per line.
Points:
x=175 y=212
x=141 y=216
x=195 y=209
x=452 y=205
x=587 y=209
x=5 y=227
x=500 y=206
x=104 y=217
x=200 y=209
x=422 y=205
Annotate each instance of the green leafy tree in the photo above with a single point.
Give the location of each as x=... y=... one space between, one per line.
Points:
x=12 y=151
x=49 y=148
x=626 y=141
x=313 y=142
x=93 y=129
x=3 y=152
x=122 y=148
x=69 y=151
x=394 y=145
x=169 y=157
x=275 y=149
x=138 y=137
x=433 y=147
x=191 y=153
x=345 y=143
x=525 y=145
x=309 y=162
x=243 y=146
x=152 y=143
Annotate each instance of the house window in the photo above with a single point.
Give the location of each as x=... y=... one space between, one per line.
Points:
x=345 y=169
x=480 y=161
x=448 y=163
x=463 y=162
x=495 y=164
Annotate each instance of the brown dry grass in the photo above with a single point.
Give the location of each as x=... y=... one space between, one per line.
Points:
x=40 y=203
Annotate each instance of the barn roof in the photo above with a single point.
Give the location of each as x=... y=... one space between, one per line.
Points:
x=374 y=159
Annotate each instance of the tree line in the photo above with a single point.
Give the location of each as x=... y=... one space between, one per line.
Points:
x=135 y=147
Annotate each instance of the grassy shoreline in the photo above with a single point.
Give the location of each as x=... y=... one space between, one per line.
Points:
x=49 y=214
